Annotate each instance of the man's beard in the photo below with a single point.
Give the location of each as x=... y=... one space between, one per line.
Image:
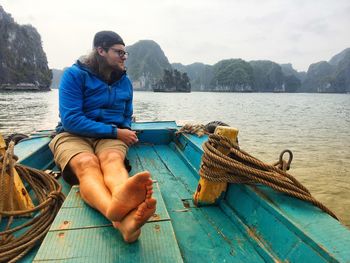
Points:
x=105 y=68
x=118 y=68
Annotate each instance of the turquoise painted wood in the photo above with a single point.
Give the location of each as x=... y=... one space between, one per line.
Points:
x=29 y=151
x=104 y=244
x=204 y=234
x=291 y=229
x=250 y=224
x=155 y=132
x=81 y=234
x=69 y=217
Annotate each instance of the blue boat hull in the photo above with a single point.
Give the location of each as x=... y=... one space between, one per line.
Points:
x=250 y=223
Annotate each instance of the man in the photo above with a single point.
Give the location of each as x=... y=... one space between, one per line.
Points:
x=95 y=105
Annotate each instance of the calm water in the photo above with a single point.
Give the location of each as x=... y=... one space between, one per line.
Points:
x=316 y=127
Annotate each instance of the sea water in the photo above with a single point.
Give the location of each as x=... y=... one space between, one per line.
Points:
x=315 y=127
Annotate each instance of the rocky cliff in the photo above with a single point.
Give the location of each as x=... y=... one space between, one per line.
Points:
x=200 y=75
x=288 y=70
x=232 y=75
x=331 y=77
x=268 y=76
x=318 y=77
x=146 y=64
x=173 y=81
x=341 y=77
x=23 y=63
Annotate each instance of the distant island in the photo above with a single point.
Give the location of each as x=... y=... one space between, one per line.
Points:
x=148 y=65
x=173 y=81
x=23 y=66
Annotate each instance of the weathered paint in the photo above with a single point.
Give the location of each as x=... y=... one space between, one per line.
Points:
x=250 y=224
x=296 y=224
x=155 y=132
x=29 y=150
x=208 y=192
x=81 y=234
x=204 y=234
x=105 y=244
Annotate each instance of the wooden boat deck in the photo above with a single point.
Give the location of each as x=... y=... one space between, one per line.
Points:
x=250 y=223
x=178 y=230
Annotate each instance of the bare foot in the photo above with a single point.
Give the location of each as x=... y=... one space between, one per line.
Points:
x=130 y=195
x=130 y=227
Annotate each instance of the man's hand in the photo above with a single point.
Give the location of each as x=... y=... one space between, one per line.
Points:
x=127 y=136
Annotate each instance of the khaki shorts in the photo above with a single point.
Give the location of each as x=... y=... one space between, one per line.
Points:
x=65 y=146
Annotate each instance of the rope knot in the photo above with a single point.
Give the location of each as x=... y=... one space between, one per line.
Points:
x=54 y=195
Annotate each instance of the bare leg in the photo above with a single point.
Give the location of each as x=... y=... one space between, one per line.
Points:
x=113 y=169
x=86 y=167
x=130 y=227
x=94 y=191
x=127 y=193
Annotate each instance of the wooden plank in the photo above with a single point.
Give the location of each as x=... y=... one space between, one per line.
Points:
x=192 y=151
x=159 y=172
x=81 y=234
x=73 y=199
x=76 y=214
x=104 y=244
x=79 y=217
x=288 y=238
x=203 y=234
x=177 y=166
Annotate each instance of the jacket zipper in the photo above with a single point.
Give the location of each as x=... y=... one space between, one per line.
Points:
x=109 y=95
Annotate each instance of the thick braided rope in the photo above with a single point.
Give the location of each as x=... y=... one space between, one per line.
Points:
x=240 y=167
x=197 y=129
x=50 y=198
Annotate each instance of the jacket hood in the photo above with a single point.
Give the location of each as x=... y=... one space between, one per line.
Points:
x=116 y=75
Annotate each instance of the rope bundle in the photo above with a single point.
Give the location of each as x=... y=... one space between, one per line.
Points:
x=240 y=167
x=198 y=129
x=17 y=241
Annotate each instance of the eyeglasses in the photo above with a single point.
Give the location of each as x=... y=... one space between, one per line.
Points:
x=121 y=53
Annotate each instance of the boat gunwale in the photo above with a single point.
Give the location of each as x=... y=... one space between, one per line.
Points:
x=315 y=240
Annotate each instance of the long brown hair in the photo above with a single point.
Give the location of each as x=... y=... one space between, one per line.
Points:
x=97 y=64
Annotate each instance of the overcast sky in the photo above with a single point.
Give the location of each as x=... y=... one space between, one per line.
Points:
x=300 y=32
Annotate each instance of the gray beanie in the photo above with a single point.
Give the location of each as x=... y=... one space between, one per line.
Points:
x=106 y=39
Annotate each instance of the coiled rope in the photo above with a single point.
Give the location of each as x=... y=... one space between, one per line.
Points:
x=198 y=129
x=13 y=243
x=240 y=167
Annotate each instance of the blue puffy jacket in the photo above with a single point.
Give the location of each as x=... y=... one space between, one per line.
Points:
x=90 y=107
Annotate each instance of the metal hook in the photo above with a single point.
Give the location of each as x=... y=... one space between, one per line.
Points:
x=281 y=161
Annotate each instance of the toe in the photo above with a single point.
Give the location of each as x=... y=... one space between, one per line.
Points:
x=151 y=202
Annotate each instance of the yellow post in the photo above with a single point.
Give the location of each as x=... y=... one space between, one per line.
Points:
x=208 y=192
x=20 y=197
